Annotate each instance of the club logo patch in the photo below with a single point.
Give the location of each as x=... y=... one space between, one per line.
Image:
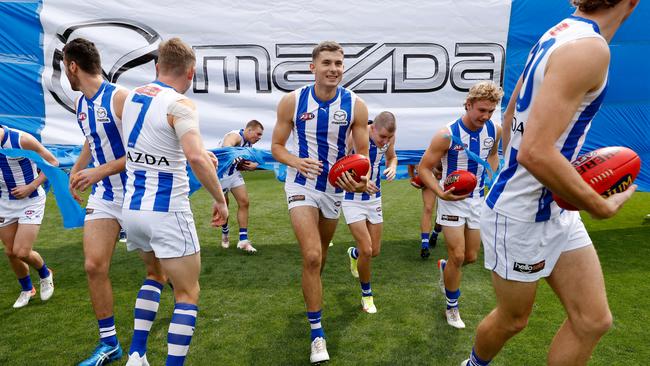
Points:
x=101 y=115
x=488 y=143
x=296 y=198
x=529 y=268
x=340 y=118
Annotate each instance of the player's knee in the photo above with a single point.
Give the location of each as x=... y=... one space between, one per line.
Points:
x=470 y=258
x=375 y=251
x=457 y=258
x=9 y=253
x=312 y=260
x=595 y=324
x=364 y=251
x=244 y=203
x=517 y=323
x=95 y=267
x=21 y=253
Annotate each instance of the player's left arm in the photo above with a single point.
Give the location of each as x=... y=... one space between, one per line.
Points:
x=573 y=71
x=29 y=142
x=359 y=131
x=493 y=157
x=391 y=160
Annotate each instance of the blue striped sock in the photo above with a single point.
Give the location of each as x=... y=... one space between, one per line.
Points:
x=316 y=327
x=354 y=253
x=44 y=271
x=107 y=333
x=180 y=333
x=452 y=298
x=243 y=234
x=146 y=308
x=474 y=360
x=26 y=283
x=225 y=229
x=365 y=289
x=425 y=240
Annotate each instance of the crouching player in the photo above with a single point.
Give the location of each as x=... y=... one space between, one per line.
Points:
x=459 y=215
x=362 y=211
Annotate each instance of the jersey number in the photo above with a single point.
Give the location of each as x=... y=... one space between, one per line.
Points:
x=145 y=100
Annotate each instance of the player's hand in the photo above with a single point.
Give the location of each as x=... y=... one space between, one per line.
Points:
x=347 y=183
x=449 y=195
x=248 y=165
x=21 y=192
x=390 y=173
x=614 y=203
x=310 y=168
x=219 y=214
x=372 y=188
x=213 y=159
x=83 y=179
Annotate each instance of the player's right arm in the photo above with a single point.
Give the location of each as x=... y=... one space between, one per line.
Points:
x=184 y=119
x=437 y=149
x=308 y=167
x=82 y=162
x=572 y=72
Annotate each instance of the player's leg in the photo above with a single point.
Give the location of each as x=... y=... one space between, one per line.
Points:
x=428 y=206
x=146 y=308
x=363 y=254
x=99 y=239
x=514 y=305
x=241 y=196
x=23 y=243
x=578 y=281
x=20 y=268
x=225 y=229
x=450 y=271
x=472 y=245
x=183 y=272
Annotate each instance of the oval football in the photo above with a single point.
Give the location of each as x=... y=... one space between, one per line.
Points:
x=607 y=170
x=463 y=181
x=356 y=164
x=417 y=182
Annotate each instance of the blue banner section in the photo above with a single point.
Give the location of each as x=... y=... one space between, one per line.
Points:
x=21 y=63
x=72 y=213
x=624 y=117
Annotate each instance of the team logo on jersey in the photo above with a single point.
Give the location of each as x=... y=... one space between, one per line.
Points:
x=529 y=268
x=82 y=116
x=101 y=115
x=488 y=143
x=306 y=116
x=340 y=118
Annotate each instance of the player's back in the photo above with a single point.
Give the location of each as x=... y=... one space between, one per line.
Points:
x=516 y=193
x=103 y=131
x=156 y=165
x=15 y=171
x=319 y=132
x=479 y=142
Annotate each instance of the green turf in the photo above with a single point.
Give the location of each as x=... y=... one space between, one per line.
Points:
x=252 y=311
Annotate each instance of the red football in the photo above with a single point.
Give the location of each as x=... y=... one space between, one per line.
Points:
x=417 y=182
x=462 y=180
x=356 y=164
x=607 y=170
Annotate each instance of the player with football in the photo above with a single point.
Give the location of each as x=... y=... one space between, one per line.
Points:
x=232 y=181
x=526 y=236
x=320 y=116
x=428 y=237
x=363 y=211
x=468 y=143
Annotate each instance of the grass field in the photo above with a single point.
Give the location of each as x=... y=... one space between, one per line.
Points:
x=251 y=307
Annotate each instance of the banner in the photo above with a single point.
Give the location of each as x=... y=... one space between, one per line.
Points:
x=415 y=59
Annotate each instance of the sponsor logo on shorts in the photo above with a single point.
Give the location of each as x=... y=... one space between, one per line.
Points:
x=89 y=211
x=337 y=203
x=340 y=117
x=297 y=197
x=29 y=212
x=529 y=268
x=307 y=116
x=2 y=220
x=449 y=218
x=378 y=209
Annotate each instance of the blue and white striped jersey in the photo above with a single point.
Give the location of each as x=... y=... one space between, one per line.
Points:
x=319 y=132
x=375 y=154
x=242 y=143
x=103 y=131
x=516 y=193
x=15 y=172
x=156 y=166
x=480 y=142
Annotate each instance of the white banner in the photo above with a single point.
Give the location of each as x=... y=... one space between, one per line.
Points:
x=414 y=58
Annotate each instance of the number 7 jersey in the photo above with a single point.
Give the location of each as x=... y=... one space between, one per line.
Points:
x=516 y=193
x=156 y=166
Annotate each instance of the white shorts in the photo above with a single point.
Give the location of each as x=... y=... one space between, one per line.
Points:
x=231 y=181
x=328 y=203
x=26 y=211
x=459 y=213
x=527 y=251
x=98 y=208
x=355 y=211
x=167 y=234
